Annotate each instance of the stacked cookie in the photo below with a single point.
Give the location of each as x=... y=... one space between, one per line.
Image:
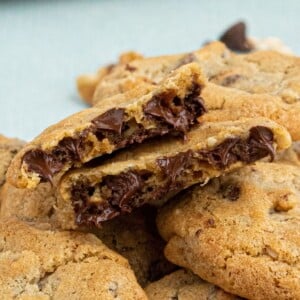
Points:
x=184 y=166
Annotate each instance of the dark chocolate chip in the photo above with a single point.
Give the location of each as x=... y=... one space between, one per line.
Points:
x=123 y=187
x=120 y=190
x=172 y=167
x=235 y=38
x=68 y=149
x=261 y=143
x=111 y=120
x=222 y=156
x=180 y=114
x=44 y=165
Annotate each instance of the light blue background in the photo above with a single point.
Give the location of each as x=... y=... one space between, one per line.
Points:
x=44 y=45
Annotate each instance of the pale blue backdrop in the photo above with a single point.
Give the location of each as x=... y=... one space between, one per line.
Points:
x=44 y=45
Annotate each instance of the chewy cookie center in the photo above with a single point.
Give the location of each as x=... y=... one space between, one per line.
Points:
x=118 y=194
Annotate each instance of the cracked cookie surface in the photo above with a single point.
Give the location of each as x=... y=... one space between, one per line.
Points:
x=241 y=231
x=184 y=285
x=37 y=263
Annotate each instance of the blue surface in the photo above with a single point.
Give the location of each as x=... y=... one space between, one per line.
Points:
x=44 y=45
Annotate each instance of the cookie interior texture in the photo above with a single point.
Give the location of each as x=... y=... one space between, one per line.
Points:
x=137 y=177
x=38 y=262
x=184 y=285
x=170 y=110
x=240 y=232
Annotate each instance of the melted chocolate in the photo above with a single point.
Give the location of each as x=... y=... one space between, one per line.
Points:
x=120 y=190
x=172 y=167
x=121 y=193
x=235 y=38
x=258 y=145
x=173 y=118
x=42 y=164
x=111 y=120
x=177 y=113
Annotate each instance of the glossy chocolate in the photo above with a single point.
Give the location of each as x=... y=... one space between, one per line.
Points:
x=123 y=192
x=119 y=192
x=42 y=164
x=111 y=120
x=259 y=144
x=172 y=167
x=172 y=116
x=177 y=113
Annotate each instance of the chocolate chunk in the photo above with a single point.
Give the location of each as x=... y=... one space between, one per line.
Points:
x=172 y=167
x=222 y=155
x=68 y=149
x=111 y=120
x=123 y=187
x=44 y=165
x=235 y=38
x=118 y=197
x=258 y=145
x=180 y=114
x=261 y=143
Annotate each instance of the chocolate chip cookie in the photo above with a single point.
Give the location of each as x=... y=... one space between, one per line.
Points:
x=8 y=149
x=136 y=238
x=184 y=285
x=37 y=263
x=260 y=83
x=240 y=232
x=171 y=108
x=258 y=72
x=154 y=171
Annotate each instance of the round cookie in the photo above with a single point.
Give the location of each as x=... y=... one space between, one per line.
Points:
x=136 y=238
x=37 y=263
x=184 y=285
x=8 y=149
x=240 y=232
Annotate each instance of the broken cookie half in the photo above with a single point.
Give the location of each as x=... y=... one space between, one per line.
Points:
x=170 y=108
x=156 y=170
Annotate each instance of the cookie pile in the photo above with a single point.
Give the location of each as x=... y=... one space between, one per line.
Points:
x=181 y=181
